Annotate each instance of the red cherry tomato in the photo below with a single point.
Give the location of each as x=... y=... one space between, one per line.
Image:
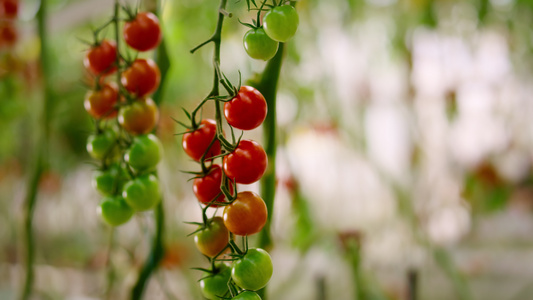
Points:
x=140 y=117
x=247 y=163
x=247 y=110
x=143 y=33
x=142 y=77
x=246 y=215
x=207 y=188
x=9 y=9
x=100 y=59
x=8 y=34
x=195 y=143
x=102 y=103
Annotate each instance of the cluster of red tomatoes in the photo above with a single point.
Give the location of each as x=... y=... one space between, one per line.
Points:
x=127 y=151
x=279 y=26
x=245 y=213
x=8 y=14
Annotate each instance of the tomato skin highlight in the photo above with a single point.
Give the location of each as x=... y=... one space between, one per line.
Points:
x=144 y=153
x=253 y=271
x=142 y=193
x=101 y=103
x=259 y=45
x=247 y=110
x=247 y=163
x=140 y=117
x=208 y=187
x=281 y=23
x=216 y=286
x=141 y=78
x=114 y=211
x=143 y=33
x=246 y=215
x=247 y=295
x=195 y=143
x=212 y=239
x=100 y=59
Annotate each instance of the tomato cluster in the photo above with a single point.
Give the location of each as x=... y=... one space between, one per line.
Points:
x=279 y=26
x=125 y=115
x=8 y=31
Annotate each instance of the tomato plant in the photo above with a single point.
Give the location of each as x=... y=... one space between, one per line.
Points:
x=142 y=77
x=114 y=211
x=247 y=110
x=100 y=59
x=247 y=163
x=247 y=295
x=213 y=238
x=143 y=33
x=207 y=188
x=142 y=193
x=144 y=153
x=110 y=182
x=253 y=271
x=196 y=142
x=215 y=286
x=259 y=45
x=102 y=102
x=139 y=117
x=281 y=23
x=246 y=215
x=101 y=145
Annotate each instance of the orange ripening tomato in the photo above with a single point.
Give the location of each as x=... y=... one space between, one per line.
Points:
x=140 y=117
x=246 y=215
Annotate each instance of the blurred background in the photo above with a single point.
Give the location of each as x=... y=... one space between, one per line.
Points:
x=404 y=157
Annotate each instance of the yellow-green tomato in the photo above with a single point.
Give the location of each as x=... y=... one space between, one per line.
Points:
x=114 y=211
x=247 y=295
x=281 y=23
x=144 y=153
x=258 y=45
x=142 y=193
x=215 y=286
x=212 y=239
x=253 y=271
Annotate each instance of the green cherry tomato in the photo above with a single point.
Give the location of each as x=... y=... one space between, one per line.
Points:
x=114 y=211
x=144 y=153
x=110 y=182
x=252 y=271
x=247 y=295
x=142 y=193
x=215 y=286
x=212 y=239
x=101 y=145
x=258 y=45
x=281 y=23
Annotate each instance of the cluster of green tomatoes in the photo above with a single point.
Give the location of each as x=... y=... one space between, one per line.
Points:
x=125 y=116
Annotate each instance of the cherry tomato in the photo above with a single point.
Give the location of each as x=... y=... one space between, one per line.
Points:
x=246 y=215
x=195 y=143
x=247 y=110
x=100 y=146
x=140 y=117
x=252 y=271
x=9 y=9
x=143 y=33
x=212 y=239
x=215 y=286
x=110 y=181
x=142 y=193
x=144 y=153
x=142 y=77
x=247 y=163
x=102 y=103
x=208 y=187
x=100 y=59
x=247 y=295
x=8 y=34
x=114 y=211
x=281 y=23
x=258 y=45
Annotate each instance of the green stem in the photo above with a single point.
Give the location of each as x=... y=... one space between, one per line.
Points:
x=40 y=157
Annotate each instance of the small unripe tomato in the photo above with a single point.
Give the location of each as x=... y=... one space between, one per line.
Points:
x=110 y=182
x=143 y=33
x=140 y=117
x=247 y=110
x=142 y=193
x=101 y=145
x=258 y=45
x=101 y=103
x=281 y=23
x=253 y=271
x=100 y=58
x=212 y=239
x=114 y=211
x=215 y=286
x=246 y=215
x=247 y=295
x=141 y=78
x=144 y=153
